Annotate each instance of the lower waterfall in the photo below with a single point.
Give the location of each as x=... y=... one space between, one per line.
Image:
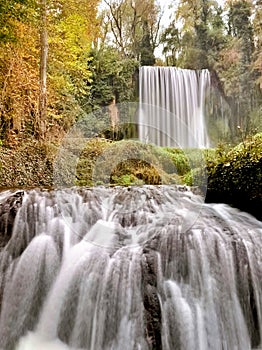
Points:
x=128 y=268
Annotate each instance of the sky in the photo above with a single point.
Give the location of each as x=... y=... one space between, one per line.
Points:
x=167 y=12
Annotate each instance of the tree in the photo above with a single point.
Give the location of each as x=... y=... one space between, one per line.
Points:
x=242 y=43
x=12 y=11
x=146 y=50
x=112 y=77
x=196 y=43
x=26 y=80
x=42 y=113
x=170 y=38
x=19 y=82
x=133 y=22
x=257 y=26
x=72 y=32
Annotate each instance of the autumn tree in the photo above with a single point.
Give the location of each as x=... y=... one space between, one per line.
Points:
x=11 y=12
x=73 y=29
x=39 y=94
x=42 y=110
x=19 y=73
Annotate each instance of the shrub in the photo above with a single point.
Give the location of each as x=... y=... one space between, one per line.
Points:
x=235 y=176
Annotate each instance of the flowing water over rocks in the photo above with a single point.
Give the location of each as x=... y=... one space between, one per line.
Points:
x=173 y=106
x=132 y=268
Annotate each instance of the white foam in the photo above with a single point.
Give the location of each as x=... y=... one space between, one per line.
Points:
x=33 y=341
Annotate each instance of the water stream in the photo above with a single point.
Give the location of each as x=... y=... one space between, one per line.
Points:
x=133 y=268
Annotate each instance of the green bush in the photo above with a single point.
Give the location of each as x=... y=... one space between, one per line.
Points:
x=179 y=160
x=123 y=163
x=235 y=175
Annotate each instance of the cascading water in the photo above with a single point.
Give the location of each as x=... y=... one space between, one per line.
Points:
x=120 y=268
x=172 y=106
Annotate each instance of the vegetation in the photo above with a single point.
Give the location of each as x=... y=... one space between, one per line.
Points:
x=235 y=175
x=30 y=165
x=124 y=163
x=226 y=174
x=44 y=49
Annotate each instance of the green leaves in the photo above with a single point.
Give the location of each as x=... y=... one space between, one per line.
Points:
x=12 y=11
x=238 y=170
x=112 y=76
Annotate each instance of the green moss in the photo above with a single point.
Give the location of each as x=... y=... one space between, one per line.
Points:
x=238 y=168
x=87 y=161
x=127 y=180
x=235 y=175
x=179 y=160
x=127 y=162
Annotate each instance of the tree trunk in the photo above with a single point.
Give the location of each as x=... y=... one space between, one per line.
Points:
x=41 y=122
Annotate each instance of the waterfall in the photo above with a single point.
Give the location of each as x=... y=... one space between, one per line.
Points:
x=172 y=107
x=121 y=268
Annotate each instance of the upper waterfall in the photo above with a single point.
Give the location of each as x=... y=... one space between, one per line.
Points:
x=172 y=106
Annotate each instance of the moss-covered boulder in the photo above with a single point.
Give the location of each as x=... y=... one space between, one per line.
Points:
x=126 y=162
x=235 y=176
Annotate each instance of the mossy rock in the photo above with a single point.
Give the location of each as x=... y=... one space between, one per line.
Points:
x=125 y=162
x=235 y=176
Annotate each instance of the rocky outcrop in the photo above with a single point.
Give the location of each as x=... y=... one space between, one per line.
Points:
x=151 y=300
x=10 y=202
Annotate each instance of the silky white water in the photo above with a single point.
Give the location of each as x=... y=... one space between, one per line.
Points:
x=172 y=106
x=81 y=271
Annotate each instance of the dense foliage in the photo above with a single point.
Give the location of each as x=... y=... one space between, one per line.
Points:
x=71 y=27
x=124 y=162
x=235 y=175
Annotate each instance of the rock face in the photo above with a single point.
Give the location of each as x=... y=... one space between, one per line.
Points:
x=237 y=199
x=10 y=202
x=151 y=300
